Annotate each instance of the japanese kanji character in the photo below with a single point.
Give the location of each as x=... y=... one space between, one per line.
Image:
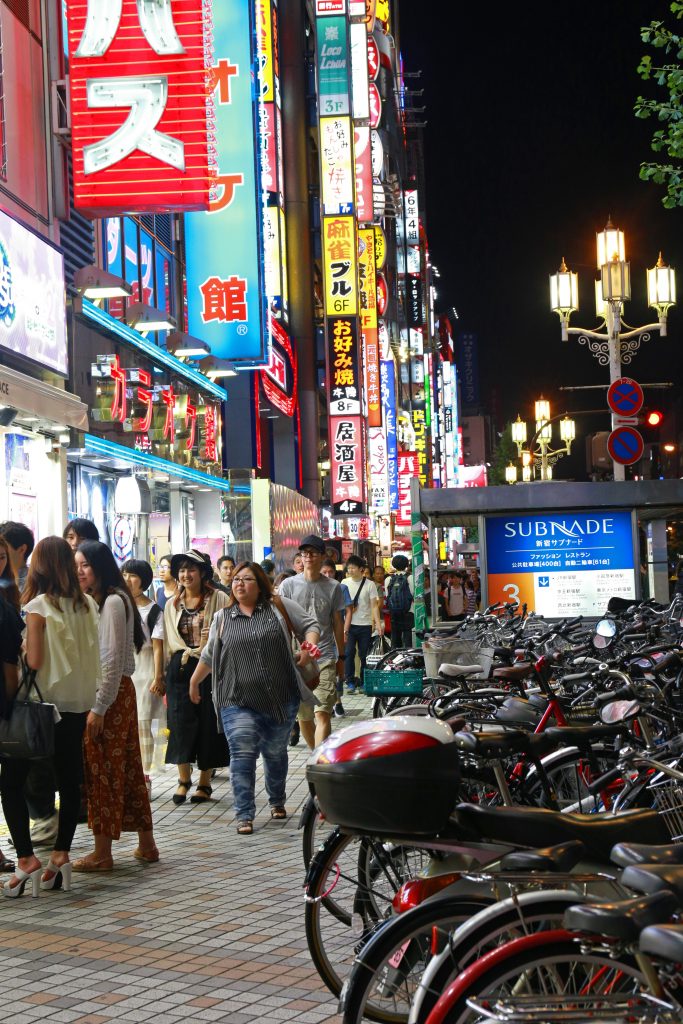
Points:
x=224 y=301
x=345 y=431
x=210 y=430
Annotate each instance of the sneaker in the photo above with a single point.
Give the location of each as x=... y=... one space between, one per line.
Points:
x=44 y=831
x=339 y=710
x=294 y=735
x=350 y=687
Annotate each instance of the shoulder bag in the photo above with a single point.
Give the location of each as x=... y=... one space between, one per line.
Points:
x=28 y=733
x=310 y=673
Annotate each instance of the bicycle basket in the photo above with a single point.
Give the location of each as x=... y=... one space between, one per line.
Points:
x=667 y=797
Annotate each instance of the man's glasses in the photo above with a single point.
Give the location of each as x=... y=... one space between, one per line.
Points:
x=311 y=554
x=244 y=579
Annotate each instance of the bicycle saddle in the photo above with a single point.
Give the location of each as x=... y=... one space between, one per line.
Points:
x=663 y=940
x=622 y=919
x=583 y=735
x=452 y=671
x=625 y=854
x=537 y=826
x=561 y=858
x=518 y=712
x=649 y=878
x=517 y=671
x=492 y=745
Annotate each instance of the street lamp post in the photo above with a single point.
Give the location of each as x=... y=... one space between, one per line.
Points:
x=540 y=444
x=612 y=346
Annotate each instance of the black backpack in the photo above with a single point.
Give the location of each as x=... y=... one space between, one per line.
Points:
x=399 y=598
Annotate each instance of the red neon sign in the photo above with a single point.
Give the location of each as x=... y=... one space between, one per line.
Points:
x=138 y=79
x=274 y=378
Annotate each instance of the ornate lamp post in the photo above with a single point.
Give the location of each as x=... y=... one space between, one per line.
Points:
x=539 y=448
x=612 y=346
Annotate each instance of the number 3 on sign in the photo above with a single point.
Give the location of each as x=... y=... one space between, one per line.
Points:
x=512 y=591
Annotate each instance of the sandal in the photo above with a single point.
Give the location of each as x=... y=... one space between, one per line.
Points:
x=180 y=798
x=89 y=864
x=150 y=855
x=196 y=799
x=279 y=813
x=245 y=828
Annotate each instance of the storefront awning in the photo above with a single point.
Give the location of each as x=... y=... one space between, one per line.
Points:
x=28 y=394
x=132 y=457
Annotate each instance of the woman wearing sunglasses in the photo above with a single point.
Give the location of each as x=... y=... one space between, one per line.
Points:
x=256 y=688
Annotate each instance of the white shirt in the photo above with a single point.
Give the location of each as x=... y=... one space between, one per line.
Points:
x=362 y=615
x=71 y=671
x=117 y=650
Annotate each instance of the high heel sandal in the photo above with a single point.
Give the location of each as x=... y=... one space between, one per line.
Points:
x=61 y=876
x=180 y=798
x=13 y=891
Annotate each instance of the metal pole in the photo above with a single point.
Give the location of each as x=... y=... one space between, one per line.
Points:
x=614 y=345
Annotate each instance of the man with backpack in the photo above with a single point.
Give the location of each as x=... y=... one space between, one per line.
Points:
x=399 y=590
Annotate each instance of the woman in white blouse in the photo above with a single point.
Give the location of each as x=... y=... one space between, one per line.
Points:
x=117 y=795
x=62 y=645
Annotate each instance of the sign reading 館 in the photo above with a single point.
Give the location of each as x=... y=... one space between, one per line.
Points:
x=138 y=80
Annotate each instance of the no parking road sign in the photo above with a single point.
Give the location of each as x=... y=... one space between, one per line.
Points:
x=625 y=445
x=625 y=397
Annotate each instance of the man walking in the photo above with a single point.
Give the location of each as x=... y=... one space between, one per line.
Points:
x=361 y=615
x=322 y=598
x=399 y=602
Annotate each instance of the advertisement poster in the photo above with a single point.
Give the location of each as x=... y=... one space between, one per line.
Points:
x=562 y=564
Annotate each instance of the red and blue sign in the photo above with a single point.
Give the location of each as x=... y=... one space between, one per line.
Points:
x=625 y=445
x=625 y=397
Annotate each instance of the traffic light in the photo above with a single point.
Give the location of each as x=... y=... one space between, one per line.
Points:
x=654 y=418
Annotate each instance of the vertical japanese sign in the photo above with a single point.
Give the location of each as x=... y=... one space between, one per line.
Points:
x=379 y=478
x=468 y=362
x=367 y=298
x=359 y=71
x=346 y=465
x=340 y=262
x=333 y=66
x=336 y=165
x=363 y=165
x=421 y=444
x=342 y=337
x=226 y=292
x=138 y=82
x=408 y=467
x=271 y=150
x=412 y=219
x=388 y=391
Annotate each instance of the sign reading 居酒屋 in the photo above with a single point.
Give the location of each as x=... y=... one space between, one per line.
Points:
x=138 y=81
x=561 y=564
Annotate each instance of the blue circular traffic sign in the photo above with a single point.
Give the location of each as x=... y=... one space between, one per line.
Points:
x=625 y=445
x=625 y=397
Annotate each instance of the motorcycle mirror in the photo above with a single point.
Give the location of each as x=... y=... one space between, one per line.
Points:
x=606 y=628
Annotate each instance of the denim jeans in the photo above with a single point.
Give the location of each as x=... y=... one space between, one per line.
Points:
x=361 y=636
x=250 y=733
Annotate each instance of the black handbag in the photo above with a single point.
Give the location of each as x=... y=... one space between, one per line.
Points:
x=28 y=733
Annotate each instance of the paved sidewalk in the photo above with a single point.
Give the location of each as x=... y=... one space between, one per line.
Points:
x=214 y=932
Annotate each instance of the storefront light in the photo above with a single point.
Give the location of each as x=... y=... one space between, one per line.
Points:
x=144 y=318
x=95 y=283
x=185 y=346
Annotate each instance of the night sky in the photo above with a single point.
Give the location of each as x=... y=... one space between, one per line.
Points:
x=531 y=143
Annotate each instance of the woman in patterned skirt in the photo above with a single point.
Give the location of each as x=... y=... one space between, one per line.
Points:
x=115 y=782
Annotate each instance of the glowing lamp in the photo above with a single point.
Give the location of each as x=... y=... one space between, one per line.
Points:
x=610 y=245
x=661 y=287
x=564 y=291
x=519 y=431
x=511 y=474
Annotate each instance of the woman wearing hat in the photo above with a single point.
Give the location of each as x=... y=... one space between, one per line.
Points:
x=193 y=729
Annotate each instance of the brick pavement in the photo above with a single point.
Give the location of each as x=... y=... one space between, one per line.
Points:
x=214 y=932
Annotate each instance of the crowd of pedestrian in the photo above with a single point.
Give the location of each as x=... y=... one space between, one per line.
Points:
x=227 y=666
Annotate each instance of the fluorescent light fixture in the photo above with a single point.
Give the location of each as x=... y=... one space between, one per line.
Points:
x=214 y=368
x=184 y=346
x=95 y=283
x=144 y=318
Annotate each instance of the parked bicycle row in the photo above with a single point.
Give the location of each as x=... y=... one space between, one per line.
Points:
x=486 y=856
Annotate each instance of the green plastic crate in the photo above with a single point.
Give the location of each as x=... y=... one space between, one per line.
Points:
x=393 y=683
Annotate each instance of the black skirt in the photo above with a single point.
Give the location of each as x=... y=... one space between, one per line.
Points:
x=193 y=729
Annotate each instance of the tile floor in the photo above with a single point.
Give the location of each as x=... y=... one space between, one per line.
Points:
x=214 y=932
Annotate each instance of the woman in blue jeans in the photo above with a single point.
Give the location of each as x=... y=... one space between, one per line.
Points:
x=256 y=688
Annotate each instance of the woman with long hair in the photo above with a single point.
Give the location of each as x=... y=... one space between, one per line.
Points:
x=256 y=688
x=115 y=782
x=62 y=646
x=11 y=628
x=193 y=730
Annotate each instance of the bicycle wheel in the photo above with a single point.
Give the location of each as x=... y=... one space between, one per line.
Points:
x=349 y=888
x=569 y=773
x=528 y=972
x=501 y=922
x=387 y=970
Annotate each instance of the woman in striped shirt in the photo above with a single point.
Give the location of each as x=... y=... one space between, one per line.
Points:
x=256 y=688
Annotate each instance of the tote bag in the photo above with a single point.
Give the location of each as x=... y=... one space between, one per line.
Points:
x=29 y=731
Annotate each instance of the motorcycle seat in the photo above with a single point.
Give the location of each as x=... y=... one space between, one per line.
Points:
x=663 y=940
x=649 y=878
x=625 y=854
x=560 y=858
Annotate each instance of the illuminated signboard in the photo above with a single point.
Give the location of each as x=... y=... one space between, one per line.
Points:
x=346 y=465
x=279 y=378
x=367 y=298
x=408 y=466
x=333 y=66
x=388 y=390
x=32 y=316
x=414 y=297
x=323 y=7
x=342 y=340
x=363 y=158
x=412 y=218
x=336 y=165
x=226 y=292
x=421 y=444
x=560 y=564
x=359 y=71
x=379 y=479
x=138 y=83
x=341 y=273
